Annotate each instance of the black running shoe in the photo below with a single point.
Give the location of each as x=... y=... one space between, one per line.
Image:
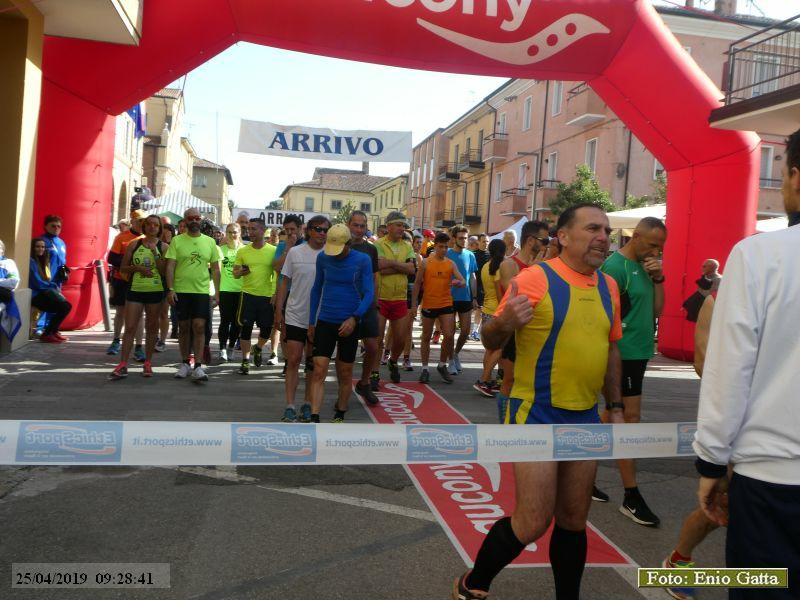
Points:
x=245 y=368
x=394 y=371
x=365 y=391
x=445 y=375
x=635 y=508
x=599 y=495
x=375 y=381
x=424 y=377
x=257 y=356
x=460 y=591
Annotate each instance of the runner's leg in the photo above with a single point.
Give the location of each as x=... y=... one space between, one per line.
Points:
x=133 y=314
x=294 y=354
x=152 y=323
x=448 y=325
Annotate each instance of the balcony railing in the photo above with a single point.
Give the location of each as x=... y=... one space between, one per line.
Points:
x=549 y=183
x=495 y=147
x=764 y=62
x=584 y=107
x=471 y=162
x=514 y=201
x=448 y=172
x=770 y=183
x=443 y=218
x=469 y=214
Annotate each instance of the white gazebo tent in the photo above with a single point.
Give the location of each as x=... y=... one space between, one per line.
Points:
x=178 y=202
x=517 y=227
x=628 y=219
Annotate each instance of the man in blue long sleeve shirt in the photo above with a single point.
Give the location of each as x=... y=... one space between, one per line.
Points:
x=343 y=291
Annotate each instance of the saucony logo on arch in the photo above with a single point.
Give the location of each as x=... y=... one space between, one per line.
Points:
x=548 y=42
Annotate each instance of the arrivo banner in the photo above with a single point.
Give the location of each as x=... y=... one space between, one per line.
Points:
x=258 y=137
x=467 y=498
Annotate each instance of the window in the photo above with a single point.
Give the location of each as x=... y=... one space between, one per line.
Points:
x=430 y=171
x=526 y=113
x=452 y=200
x=498 y=185
x=418 y=179
x=766 y=71
x=412 y=179
x=522 y=177
x=469 y=146
x=199 y=180
x=480 y=145
x=464 y=197
x=366 y=207
x=558 y=96
x=767 y=157
x=477 y=195
x=424 y=171
x=552 y=166
x=309 y=204
x=658 y=169
x=501 y=123
x=457 y=155
x=336 y=204
x=591 y=155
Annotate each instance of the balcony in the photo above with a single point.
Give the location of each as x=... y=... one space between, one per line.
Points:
x=468 y=215
x=514 y=201
x=762 y=83
x=549 y=184
x=495 y=148
x=770 y=183
x=443 y=218
x=448 y=172
x=470 y=162
x=584 y=107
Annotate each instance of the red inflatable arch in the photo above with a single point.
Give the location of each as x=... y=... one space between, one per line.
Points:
x=621 y=47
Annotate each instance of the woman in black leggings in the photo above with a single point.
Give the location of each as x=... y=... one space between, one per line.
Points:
x=230 y=291
x=46 y=293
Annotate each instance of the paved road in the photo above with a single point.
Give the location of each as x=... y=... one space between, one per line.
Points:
x=281 y=532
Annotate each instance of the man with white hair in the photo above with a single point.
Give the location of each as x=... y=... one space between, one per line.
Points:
x=243 y=219
x=510 y=239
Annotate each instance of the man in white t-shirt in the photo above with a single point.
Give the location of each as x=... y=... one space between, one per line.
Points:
x=291 y=315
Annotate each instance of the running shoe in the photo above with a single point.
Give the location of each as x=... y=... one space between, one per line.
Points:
x=460 y=591
x=394 y=371
x=435 y=338
x=424 y=377
x=257 y=360
x=407 y=364
x=445 y=375
x=121 y=372
x=60 y=337
x=375 y=381
x=199 y=375
x=681 y=593
x=147 y=369
x=599 y=495
x=114 y=347
x=475 y=336
x=138 y=354
x=495 y=385
x=635 y=508
x=283 y=371
x=191 y=360
x=457 y=363
x=244 y=368
x=273 y=359
x=484 y=388
x=289 y=415
x=49 y=338
x=183 y=371
x=338 y=416
x=365 y=391
x=161 y=346
x=314 y=418
x=223 y=355
x=451 y=367
x=305 y=413
x=206 y=355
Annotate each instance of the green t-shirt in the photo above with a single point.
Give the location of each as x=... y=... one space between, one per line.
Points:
x=260 y=281
x=638 y=326
x=193 y=257
x=394 y=286
x=144 y=256
x=227 y=282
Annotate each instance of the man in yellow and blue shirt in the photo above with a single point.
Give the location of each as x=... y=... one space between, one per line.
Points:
x=565 y=315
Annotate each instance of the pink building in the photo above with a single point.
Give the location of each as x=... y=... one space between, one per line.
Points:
x=425 y=193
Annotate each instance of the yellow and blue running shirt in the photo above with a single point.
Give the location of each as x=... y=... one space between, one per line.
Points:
x=562 y=353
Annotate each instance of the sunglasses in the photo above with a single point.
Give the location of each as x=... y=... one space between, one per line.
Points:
x=320 y=229
x=543 y=240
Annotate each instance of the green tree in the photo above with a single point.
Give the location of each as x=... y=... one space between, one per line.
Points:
x=343 y=214
x=584 y=188
x=659 y=195
x=275 y=205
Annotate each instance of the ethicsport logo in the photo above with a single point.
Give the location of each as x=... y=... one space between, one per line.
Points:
x=69 y=442
x=686 y=433
x=582 y=441
x=273 y=443
x=443 y=442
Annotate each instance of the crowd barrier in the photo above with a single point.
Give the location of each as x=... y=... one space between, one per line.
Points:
x=150 y=443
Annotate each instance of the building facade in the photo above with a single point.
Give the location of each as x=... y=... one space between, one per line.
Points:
x=211 y=183
x=330 y=190
x=425 y=194
x=127 y=173
x=390 y=195
x=168 y=157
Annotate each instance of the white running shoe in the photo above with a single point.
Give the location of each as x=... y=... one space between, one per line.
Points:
x=273 y=359
x=457 y=362
x=223 y=355
x=451 y=367
x=183 y=371
x=199 y=375
x=161 y=346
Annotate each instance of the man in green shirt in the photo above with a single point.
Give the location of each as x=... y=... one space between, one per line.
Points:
x=638 y=272
x=254 y=265
x=189 y=258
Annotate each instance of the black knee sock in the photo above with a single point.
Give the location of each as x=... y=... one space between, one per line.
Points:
x=499 y=548
x=568 y=558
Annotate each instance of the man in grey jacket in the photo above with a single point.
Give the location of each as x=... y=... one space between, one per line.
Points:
x=748 y=414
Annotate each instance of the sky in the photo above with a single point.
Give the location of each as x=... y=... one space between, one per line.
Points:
x=266 y=84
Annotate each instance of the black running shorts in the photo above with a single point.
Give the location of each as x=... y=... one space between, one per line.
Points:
x=256 y=310
x=326 y=338
x=433 y=313
x=193 y=306
x=368 y=326
x=296 y=334
x=633 y=377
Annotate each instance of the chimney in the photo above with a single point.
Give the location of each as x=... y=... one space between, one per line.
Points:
x=365 y=168
x=726 y=8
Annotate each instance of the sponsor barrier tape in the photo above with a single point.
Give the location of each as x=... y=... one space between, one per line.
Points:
x=146 y=443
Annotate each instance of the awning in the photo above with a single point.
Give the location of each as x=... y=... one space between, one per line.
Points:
x=629 y=219
x=178 y=203
x=516 y=227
